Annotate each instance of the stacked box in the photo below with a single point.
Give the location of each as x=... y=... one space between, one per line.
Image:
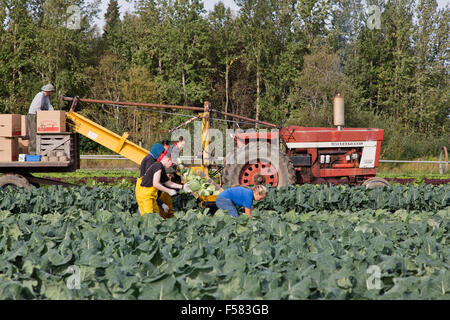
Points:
x=55 y=147
x=10 y=125
x=51 y=121
x=8 y=149
x=23 y=146
x=10 y=130
x=24 y=126
x=54 y=156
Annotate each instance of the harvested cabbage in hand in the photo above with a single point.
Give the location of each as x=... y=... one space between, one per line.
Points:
x=197 y=183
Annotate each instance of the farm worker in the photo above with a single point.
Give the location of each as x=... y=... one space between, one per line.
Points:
x=174 y=151
x=154 y=180
x=166 y=145
x=158 y=151
x=239 y=141
x=240 y=196
x=176 y=148
x=41 y=101
x=156 y=154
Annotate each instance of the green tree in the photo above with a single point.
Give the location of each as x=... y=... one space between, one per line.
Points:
x=277 y=34
x=138 y=85
x=151 y=28
x=17 y=51
x=185 y=67
x=382 y=62
x=285 y=63
x=104 y=82
x=258 y=35
x=348 y=19
x=315 y=87
x=312 y=16
x=111 y=29
x=396 y=75
x=112 y=18
x=431 y=39
x=224 y=34
x=37 y=46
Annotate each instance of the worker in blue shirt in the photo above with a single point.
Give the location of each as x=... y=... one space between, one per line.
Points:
x=241 y=197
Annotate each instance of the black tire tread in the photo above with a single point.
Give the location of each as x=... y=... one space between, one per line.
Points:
x=14 y=179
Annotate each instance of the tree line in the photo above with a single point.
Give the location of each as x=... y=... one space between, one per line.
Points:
x=280 y=61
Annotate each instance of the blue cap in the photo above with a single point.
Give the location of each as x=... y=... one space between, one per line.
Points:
x=156 y=150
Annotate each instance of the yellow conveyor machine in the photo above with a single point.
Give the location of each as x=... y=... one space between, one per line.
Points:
x=130 y=150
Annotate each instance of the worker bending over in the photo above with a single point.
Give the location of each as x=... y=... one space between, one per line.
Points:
x=155 y=179
x=240 y=196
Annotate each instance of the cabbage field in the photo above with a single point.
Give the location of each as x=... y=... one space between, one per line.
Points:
x=304 y=242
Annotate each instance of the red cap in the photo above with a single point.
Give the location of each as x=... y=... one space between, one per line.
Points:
x=161 y=156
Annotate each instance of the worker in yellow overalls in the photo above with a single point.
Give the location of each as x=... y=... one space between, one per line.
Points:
x=156 y=153
x=155 y=179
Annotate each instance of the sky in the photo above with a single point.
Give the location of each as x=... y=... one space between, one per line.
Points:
x=209 y=5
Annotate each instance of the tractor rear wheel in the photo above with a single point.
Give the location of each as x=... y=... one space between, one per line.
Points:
x=257 y=163
x=14 y=180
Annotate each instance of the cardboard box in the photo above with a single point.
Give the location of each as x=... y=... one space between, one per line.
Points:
x=51 y=121
x=24 y=125
x=8 y=149
x=10 y=125
x=23 y=145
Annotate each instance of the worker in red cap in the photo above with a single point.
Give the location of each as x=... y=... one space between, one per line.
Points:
x=174 y=151
x=155 y=152
x=154 y=155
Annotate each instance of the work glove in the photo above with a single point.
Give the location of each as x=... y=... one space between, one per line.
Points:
x=172 y=192
x=186 y=188
x=165 y=207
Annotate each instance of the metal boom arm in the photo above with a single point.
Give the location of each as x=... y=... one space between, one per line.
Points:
x=165 y=106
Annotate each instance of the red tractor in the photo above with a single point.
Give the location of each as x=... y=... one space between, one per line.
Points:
x=311 y=155
x=308 y=155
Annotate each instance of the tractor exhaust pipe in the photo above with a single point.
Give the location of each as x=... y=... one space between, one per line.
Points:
x=338 y=111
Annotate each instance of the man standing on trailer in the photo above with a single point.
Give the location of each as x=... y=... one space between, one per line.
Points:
x=40 y=102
